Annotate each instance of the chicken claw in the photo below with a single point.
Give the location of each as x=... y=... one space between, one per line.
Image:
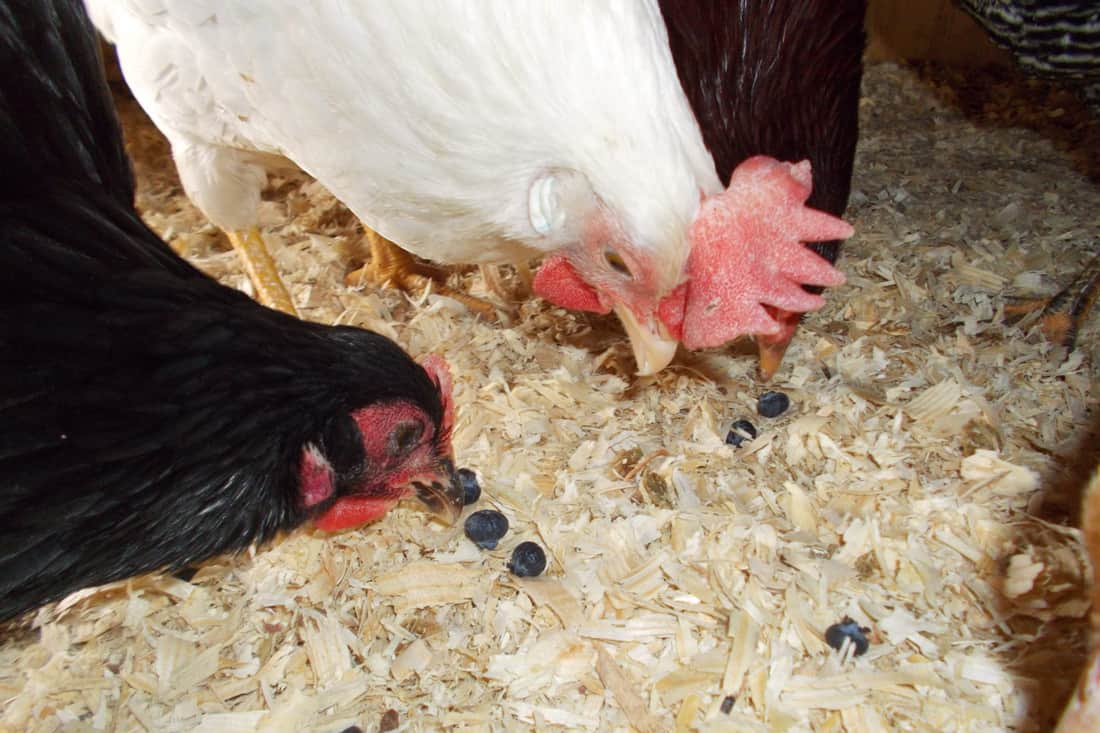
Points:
x=1062 y=315
x=391 y=266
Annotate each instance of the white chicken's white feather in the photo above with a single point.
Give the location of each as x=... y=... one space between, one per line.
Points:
x=429 y=119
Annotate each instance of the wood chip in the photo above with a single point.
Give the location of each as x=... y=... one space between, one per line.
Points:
x=426 y=583
x=624 y=692
x=903 y=488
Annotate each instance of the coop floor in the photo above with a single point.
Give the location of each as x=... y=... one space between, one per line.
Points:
x=923 y=483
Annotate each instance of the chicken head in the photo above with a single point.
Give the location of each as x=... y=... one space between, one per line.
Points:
x=604 y=268
x=372 y=458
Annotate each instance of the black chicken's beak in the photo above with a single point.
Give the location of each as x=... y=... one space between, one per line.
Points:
x=444 y=496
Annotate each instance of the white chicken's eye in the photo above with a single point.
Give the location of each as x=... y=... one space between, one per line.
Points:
x=404 y=438
x=543 y=207
x=616 y=262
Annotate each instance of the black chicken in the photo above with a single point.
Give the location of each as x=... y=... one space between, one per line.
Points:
x=150 y=417
x=1059 y=40
x=780 y=79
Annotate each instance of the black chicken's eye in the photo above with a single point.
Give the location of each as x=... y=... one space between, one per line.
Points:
x=616 y=262
x=405 y=437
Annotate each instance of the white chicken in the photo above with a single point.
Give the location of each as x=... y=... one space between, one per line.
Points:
x=487 y=131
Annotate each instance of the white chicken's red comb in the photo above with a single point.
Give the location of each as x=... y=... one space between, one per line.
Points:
x=747 y=251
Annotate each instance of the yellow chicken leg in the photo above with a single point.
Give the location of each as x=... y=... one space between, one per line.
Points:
x=1062 y=314
x=261 y=269
x=494 y=280
x=391 y=266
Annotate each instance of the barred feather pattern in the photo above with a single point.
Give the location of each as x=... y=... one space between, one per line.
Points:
x=1054 y=39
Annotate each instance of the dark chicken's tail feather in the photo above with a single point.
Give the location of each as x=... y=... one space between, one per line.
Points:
x=66 y=185
x=57 y=117
x=66 y=188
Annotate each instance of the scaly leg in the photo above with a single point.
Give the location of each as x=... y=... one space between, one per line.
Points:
x=495 y=282
x=261 y=269
x=526 y=280
x=391 y=266
x=1063 y=314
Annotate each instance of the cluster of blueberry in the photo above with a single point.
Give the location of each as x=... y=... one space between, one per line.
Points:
x=486 y=527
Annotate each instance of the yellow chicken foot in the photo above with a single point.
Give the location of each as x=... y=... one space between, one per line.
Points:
x=494 y=281
x=261 y=269
x=1063 y=314
x=391 y=266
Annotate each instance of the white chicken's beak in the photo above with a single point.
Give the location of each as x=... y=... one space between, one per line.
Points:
x=653 y=349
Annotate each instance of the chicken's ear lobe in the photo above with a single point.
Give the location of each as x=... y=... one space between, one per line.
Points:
x=557 y=281
x=315 y=477
x=437 y=369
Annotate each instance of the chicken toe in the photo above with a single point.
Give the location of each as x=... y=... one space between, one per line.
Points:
x=1062 y=315
x=772 y=347
x=520 y=290
x=262 y=270
x=391 y=266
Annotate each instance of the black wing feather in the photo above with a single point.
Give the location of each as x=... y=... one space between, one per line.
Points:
x=58 y=112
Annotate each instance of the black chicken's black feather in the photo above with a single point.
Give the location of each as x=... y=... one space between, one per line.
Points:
x=149 y=417
x=775 y=78
x=58 y=113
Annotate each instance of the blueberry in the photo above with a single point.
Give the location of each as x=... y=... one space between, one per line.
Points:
x=772 y=404
x=740 y=431
x=528 y=560
x=727 y=704
x=847 y=629
x=470 y=487
x=486 y=527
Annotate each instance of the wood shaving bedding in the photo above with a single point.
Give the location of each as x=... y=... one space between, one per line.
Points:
x=900 y=489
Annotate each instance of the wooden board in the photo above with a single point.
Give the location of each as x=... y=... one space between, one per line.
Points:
x=928 y=30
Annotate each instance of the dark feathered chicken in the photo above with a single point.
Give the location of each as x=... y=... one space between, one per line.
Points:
x=779 y=79
x=1054 y=39
x=150 y=417
x=1059 y=40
